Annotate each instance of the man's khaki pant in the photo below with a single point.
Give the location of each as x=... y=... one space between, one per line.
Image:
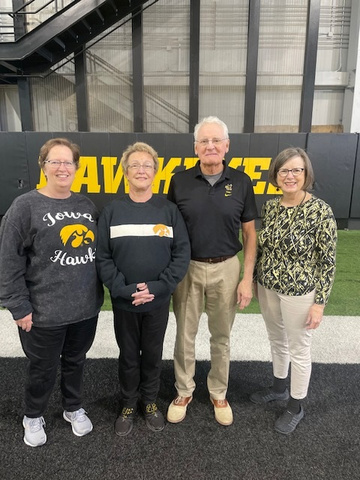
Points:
x=211 y=288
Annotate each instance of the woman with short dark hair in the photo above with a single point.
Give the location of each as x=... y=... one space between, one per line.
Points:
x=294 y=272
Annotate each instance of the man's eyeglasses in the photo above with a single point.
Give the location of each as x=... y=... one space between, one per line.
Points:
x=206 y=141
x=284 y=172
x=146 y=166
x=57 y=163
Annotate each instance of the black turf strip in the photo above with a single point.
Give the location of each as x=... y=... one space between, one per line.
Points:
x=326 y=444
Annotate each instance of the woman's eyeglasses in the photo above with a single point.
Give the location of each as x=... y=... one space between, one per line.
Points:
x=284 y=172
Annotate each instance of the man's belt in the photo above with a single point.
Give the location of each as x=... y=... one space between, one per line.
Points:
x=213 y=259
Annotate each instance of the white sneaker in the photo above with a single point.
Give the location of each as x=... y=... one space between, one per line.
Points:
x=34 y=433
x=80 y=422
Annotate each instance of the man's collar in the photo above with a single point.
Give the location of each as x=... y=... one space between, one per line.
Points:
x=224 y=173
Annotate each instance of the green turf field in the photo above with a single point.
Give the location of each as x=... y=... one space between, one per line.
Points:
x=345 y=295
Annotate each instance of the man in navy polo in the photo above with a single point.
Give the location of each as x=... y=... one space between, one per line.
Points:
x=215 y=201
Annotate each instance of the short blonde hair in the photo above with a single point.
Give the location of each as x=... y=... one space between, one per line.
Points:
x=283 y=157
x=139 y=147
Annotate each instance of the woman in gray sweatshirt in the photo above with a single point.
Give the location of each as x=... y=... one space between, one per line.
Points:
x=49 y=284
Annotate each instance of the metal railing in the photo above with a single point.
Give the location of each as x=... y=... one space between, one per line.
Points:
x=16 y=22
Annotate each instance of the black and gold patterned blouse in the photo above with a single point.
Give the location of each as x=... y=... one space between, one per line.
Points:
x=297 y=249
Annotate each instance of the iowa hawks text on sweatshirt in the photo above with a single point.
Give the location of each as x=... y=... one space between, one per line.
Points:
x=47 y=259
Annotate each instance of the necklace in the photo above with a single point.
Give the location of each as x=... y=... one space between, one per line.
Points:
x=277 y=235
x=298 y=205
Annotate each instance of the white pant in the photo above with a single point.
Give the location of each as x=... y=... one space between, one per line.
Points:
x=285 y=318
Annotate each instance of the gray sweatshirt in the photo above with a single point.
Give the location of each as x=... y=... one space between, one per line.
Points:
x=47 y=259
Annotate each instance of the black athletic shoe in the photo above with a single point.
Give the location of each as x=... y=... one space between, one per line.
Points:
x=268 y=395
x=288 y=421
x=153 y=417
x=125 y=421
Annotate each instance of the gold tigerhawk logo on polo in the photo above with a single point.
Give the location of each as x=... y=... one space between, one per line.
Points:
x=161 y=230
x=76 y=235
x=228 y=190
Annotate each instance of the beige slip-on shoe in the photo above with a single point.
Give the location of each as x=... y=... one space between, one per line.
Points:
x=177 y=409
x=223 y=412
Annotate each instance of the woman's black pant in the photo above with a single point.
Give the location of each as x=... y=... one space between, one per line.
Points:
x=46 y=348
x=140 y=337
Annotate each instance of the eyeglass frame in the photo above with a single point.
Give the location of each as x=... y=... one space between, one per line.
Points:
x=136 y=166
x=58 y=163
x=206 y=141
x=284 y=172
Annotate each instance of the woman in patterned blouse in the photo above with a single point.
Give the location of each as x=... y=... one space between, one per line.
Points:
x=294 y=272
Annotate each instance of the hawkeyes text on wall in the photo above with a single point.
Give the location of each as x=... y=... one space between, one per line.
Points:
x=106 y=175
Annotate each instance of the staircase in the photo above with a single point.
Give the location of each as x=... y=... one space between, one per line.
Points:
x=61 y=35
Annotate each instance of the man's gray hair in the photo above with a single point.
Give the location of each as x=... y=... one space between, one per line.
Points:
x=207 y=120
